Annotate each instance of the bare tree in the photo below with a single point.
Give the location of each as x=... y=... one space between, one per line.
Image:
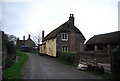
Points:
x=37 y=38
x=12 y=38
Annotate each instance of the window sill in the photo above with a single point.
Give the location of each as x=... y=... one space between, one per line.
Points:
x=64 y=39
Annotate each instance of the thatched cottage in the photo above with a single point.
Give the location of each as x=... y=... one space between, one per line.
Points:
x=67 y=37
x=104 y=42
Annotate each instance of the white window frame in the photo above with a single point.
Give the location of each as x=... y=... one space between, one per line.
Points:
x=65 y=48
x=63 y=38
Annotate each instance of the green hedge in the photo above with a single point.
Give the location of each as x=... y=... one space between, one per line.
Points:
x=9 y=63
x=116 y=63
x=14 y=72
x=67 y=56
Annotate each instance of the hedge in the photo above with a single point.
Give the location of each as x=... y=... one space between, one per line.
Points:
x=67 y=56
x=116 y=63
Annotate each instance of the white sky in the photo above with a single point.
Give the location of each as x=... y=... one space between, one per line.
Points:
x=92 y=17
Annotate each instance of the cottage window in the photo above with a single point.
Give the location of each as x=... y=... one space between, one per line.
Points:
x=65 y=48
x=64 y=36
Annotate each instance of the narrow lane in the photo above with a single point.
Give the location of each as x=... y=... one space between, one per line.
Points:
x=39 y=67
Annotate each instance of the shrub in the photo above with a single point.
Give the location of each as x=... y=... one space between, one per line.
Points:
x=116 y=63
x=9 y=63
x=67 y=56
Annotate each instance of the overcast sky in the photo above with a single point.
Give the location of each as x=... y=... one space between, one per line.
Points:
x=92 y=17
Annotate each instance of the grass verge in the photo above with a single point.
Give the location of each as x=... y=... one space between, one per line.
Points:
x=14 y=72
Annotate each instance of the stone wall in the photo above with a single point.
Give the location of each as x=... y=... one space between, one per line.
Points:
x=92 y=56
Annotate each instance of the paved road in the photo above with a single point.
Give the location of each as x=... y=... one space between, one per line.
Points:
x=39 y=67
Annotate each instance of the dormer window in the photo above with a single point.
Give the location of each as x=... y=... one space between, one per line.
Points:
x=64 y=36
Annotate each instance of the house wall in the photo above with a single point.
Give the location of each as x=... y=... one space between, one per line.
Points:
x=29 y=43
x=74 y=41
x=79 y=42
x=43 y=49
x=51 y=47
x=61 y=43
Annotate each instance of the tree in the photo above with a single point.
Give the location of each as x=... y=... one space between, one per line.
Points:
x=37 y=38
x=12 y=38
x=8 y=48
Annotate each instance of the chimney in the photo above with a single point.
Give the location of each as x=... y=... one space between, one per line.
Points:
x=23 y=37
x=29 y=36
x=71 y=20
x=42 y=34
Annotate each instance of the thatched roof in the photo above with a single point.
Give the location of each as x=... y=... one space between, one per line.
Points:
x=62 y=28
x=108 y=38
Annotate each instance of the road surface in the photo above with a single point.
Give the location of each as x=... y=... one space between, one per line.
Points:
x=40 y=67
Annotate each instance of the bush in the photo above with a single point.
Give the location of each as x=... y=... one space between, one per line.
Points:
x=67 y=56
x=116 y=63
x=9 y=63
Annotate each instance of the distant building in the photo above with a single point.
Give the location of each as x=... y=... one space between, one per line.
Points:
x=25 y=45
x=104 y=42
x=67 y=37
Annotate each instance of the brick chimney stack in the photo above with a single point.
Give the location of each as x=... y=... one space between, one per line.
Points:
x=29 y=36
x=23 y=37
x=71 y=20
x=42 y=34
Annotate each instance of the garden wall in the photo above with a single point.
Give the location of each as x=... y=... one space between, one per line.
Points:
x=93 y=56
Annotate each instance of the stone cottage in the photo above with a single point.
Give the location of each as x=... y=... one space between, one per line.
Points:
x=67 y=37
x=25 y=45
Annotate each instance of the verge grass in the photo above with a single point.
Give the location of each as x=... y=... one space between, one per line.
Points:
x=14 y=72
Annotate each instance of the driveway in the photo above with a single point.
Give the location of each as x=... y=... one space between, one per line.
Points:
x=40 y=67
